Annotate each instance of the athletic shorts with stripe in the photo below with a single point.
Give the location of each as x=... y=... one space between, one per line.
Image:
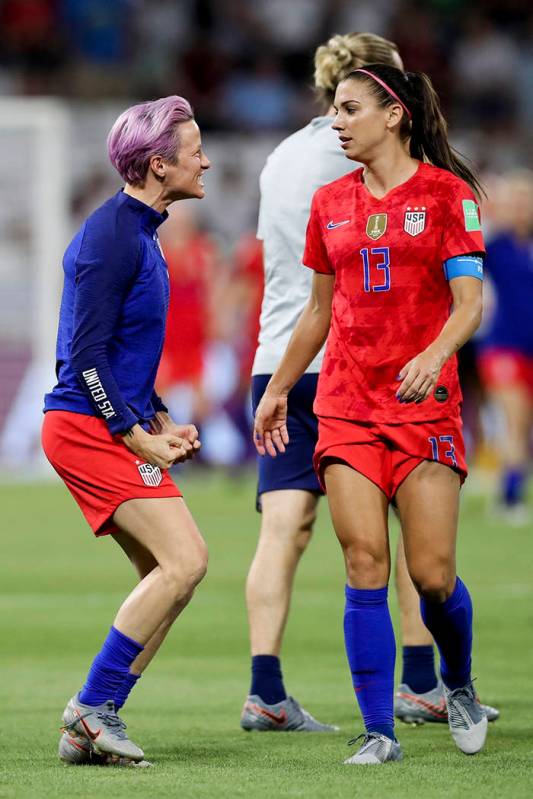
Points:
x=387 y=453
x=98 y=469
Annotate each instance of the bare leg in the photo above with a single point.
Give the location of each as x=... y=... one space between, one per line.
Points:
x=144 y=563
x=286 y=528
x=517 y=407
x=166 y=529
x=359 y=512
x=414 y=631
x=428 y=504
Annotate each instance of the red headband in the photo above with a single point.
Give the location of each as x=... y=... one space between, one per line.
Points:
x=387 y=89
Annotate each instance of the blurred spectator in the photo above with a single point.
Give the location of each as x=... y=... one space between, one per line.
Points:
x=486 y=62
x=162 y=29
x=31 y=42
x=294 y=26
x=365 y=15
x=524 y=78
x=257 y=96
x=192 y=260
x=507 y=357
x=414 y=29
x=98 y=34
x=244 y=297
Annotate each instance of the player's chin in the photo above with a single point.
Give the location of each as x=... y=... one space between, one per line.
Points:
x=352 y=153
x=196 y=191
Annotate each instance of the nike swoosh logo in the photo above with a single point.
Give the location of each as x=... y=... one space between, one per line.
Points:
x=436 y=710
x=92 y=735
x=332 y=225
x=277 y=718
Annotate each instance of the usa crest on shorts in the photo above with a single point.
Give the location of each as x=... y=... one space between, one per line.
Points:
x=415 y=220
x=151 y=475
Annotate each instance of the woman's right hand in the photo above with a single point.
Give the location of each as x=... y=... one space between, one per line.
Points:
x=160 y=450
x=270 y=425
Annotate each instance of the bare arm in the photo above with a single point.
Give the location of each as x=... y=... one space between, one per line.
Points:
x=270 y=429
x=420 y=374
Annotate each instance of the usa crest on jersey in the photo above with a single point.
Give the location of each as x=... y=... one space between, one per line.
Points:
x=415 y=220
x=151 y=475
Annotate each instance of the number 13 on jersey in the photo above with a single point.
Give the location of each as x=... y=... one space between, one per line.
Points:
x=376 y=258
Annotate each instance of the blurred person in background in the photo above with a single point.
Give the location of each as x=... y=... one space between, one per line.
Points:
x=506 y=359
x=288 y=489
x=243 y=307
x=192 y=257
x=106 y=432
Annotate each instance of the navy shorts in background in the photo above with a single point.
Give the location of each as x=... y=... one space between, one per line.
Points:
x=293 y=468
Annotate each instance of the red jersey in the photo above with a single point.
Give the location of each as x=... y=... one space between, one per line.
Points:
x=391 y=297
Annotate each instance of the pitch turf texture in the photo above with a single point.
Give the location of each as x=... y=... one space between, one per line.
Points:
x=60 y=588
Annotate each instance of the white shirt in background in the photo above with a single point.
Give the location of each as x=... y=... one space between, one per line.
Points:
x=302 y=163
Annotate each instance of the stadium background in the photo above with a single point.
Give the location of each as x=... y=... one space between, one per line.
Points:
x=67 y=68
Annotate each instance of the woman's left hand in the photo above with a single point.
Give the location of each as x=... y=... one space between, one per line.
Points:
x=187 y=432
x=419 y=377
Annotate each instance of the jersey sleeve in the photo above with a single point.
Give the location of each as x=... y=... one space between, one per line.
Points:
x=105 y=269
x=315 y=252
x=461 y=223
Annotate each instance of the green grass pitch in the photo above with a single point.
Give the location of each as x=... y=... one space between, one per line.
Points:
x=59 y=589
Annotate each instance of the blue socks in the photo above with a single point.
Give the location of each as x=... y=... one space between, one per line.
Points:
x=267 y=680
x=450 y=624
x=419 y=668
x=110 y=668
x=513 y=486
x=371 y=651
x=123 y=691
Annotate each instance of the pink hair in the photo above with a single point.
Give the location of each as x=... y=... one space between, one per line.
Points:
x=145 y=130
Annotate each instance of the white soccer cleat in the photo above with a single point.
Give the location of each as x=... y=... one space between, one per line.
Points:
x=466 y=718
x=101 y=727
x=375 y=750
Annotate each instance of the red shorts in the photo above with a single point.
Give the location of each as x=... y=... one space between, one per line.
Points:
x=501 y=367
x=98 y=469
x=388 y=453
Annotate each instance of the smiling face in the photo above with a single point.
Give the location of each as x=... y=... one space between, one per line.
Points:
x=184 y=179
x=362 y=125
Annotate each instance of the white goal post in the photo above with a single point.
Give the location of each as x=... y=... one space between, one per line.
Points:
x=34 y=135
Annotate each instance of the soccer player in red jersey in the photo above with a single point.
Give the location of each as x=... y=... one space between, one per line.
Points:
x=396 y=249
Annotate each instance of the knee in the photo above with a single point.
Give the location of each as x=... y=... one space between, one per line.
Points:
x=302 y=536
x=366 y=566
x=435 y=584
x=183 y=575
x=196 y=565
x=286 y=532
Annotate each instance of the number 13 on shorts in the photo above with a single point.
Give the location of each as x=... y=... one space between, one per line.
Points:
x=437 y=442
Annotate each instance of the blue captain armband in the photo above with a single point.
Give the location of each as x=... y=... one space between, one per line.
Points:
x=464 y=266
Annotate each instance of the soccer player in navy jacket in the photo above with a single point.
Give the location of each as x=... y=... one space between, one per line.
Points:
x=105 y=431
